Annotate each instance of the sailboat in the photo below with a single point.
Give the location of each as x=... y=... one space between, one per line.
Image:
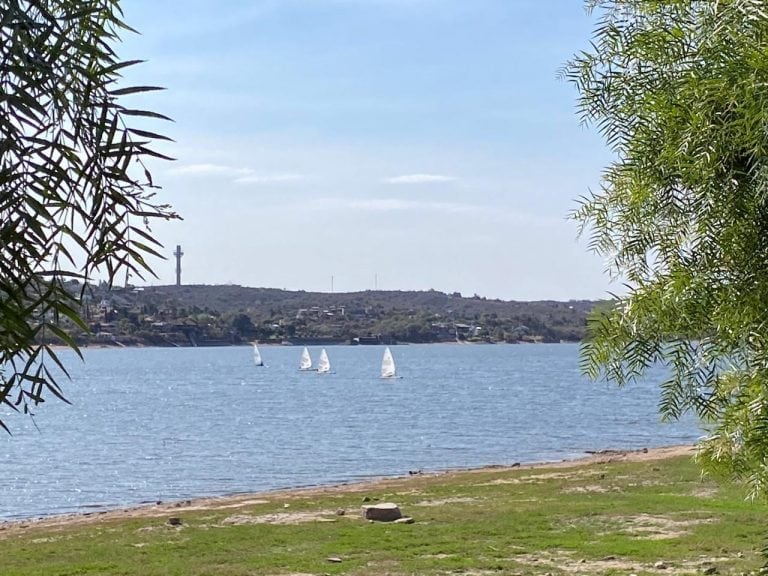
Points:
x=323 y=364
x=306 y=361
x=388 y=369
x=257 y=356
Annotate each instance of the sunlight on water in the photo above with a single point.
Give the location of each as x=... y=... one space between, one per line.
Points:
x=160 y=424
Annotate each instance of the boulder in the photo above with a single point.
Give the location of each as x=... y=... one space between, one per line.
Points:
x=384 y=512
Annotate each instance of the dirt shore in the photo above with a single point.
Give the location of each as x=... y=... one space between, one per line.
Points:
x=241 y=500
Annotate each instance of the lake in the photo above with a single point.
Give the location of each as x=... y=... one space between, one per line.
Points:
x=151 y=424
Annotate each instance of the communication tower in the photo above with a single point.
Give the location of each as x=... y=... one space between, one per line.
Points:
x=178 y=255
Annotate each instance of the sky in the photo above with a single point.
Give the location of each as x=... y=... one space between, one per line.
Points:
x=371 y=144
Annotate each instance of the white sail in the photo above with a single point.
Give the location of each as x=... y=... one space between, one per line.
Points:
x=323 y=364
x=306 y=361
x=388 y=365
x=257 y=356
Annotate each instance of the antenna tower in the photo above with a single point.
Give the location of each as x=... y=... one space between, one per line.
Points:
x=178 y=255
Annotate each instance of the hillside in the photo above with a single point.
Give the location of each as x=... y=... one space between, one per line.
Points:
x=208 y=315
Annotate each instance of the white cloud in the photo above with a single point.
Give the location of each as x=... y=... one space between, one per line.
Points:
x=237 y=175
x=384 y=205
x=419 y=179
x=207 y=169
x=269 y=178
x=396 y=204
x=482 y=213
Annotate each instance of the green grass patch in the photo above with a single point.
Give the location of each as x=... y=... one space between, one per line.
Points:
x=604 y=518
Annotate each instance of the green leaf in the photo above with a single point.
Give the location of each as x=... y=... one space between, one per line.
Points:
x=134 y=90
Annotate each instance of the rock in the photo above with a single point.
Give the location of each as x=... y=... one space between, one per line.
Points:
x=340 y=512
x=334 y=559
x=710 y=570
x=384 y=512
x=660 y=565
x=366 y=499
x=405 y=520
x=608 y=558
x=174 y=521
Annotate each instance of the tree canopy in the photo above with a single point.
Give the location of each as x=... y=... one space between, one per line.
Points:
x=75 y=195
x=679 y=90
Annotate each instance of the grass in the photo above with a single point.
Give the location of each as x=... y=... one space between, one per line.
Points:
x=603 y=518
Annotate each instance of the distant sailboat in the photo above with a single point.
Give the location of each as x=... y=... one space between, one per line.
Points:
x=388 y=369
x=257 y=356
x=323 y=364
x=306 y=361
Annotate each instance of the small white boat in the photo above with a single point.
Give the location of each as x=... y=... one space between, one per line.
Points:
x=306 y=360
x=323 y=364
x=388 y=369
x=257 y=356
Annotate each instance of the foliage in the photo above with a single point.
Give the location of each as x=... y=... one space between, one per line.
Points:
x=233 y=314
x=71 y=199
x=678 y=90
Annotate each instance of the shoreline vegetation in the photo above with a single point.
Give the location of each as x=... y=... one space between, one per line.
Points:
x=297 y=344
x=615 y=512
x=202 y=315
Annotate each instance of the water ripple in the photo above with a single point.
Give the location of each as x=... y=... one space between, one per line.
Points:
x=160 y=424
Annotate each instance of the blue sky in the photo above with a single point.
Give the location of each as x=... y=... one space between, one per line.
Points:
x=398 y=144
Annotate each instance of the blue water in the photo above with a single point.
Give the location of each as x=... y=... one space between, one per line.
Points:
x=164 y=424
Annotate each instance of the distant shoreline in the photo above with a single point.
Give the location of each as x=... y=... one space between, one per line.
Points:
x=234 y=501
x=107 y=345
